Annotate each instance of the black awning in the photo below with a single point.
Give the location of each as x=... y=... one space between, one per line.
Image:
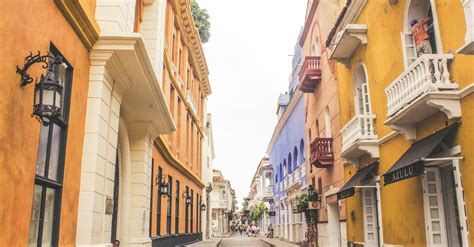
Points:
x=411 y=163
x=361 y=175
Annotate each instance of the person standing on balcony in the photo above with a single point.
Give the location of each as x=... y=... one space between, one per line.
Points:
x=420 y=34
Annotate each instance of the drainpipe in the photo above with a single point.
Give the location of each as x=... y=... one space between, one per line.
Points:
x=379 y=212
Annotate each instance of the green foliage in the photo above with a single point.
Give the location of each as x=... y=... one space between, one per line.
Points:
x=302 y=202
x=258 y=211
x=201 y=21
x=245 y=205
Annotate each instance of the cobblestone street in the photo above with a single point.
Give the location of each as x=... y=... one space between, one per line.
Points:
x=242 y=240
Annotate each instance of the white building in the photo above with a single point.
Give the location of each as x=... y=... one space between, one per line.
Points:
x=222 y=196
x=126 y=111
x=208 y=156
x=261 y=190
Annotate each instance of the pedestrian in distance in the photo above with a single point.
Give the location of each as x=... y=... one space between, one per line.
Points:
x=421 y=36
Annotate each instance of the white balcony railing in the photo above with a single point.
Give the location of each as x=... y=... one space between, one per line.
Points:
x=268 y=191
x=219 y=204
x=361 y=127
x=427 y=74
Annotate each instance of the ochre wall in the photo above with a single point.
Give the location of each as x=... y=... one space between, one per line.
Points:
x=402 y=202
x=168 y=169
x=30 y=26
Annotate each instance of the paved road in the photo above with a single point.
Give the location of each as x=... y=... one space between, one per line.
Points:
x=237 y=240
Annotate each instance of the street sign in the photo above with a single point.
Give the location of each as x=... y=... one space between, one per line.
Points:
x=314 y=205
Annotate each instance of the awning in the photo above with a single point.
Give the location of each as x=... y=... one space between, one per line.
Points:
x=361 y=175
x=412 y=163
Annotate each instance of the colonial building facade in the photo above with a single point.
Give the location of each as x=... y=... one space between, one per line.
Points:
x=318 y=83
x=40 y=161
x=222 y=197
x=176 y=214
x=407 y=121
x=261 y=191
x=208 y=155
x=287 y=153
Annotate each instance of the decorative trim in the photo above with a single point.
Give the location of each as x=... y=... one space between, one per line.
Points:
x=83 y=24
x=193 y=41
x=308 y=22
x=171 y=159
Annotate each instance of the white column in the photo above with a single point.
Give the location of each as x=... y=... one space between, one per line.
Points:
x=468 y=6
x=141 y=140
x=100 y=145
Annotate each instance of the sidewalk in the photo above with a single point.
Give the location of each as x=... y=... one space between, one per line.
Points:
x=276 y=242
x=213 y=242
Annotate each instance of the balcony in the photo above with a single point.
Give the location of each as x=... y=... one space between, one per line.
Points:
x=347 y=41
x=292 y=181
x=310 y=74
x=358 y=138
x=422 y=90
x=220 y=204
x=322 y=155
x=268 y=193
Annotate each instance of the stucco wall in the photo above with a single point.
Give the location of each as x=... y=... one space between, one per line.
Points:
x=402 y=202
x=41 y=23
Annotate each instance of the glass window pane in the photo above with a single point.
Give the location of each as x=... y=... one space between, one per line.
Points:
x=437 y=238
x=434 y=213
x=431 y=188
x=433 y=201
x=54 y=154
x=431 y=176
x=48 y=217
x=42 y=146
x=35 y=215
x=436 y=226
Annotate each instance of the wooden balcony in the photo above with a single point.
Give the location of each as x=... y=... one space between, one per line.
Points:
x=310 y=74
x=322 y=155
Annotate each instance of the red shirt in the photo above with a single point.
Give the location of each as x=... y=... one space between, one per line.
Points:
x=419 y=32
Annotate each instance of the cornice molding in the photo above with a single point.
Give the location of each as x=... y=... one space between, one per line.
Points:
x=83 y=24
x=284 y=118
x=193 y=42
x=171 y=159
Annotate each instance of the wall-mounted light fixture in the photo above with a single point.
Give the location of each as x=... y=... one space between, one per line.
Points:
x=48 y=90
x=353 y=216
x=203 y=207
x=162 y=185
x=187 y=197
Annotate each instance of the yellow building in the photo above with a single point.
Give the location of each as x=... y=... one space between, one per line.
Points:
x=407 y=121
x=176 y=215
x=39 y=164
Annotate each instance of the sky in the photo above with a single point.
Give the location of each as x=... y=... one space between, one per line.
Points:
x=249 y=60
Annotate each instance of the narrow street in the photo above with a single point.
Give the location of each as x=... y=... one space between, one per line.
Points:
x=242 y=240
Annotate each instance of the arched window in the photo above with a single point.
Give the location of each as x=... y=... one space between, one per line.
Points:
x=285 y=168
x=303 y=150
x=317 y=129
x=290 y=169
x=276 y=178
x=419 y=10
x=281 y=172
x=327 y=119
x=295 y=157
x=362 y=102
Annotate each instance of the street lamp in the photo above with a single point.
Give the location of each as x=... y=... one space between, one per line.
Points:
x=187 y=197
x=162 y=185
x=48 y=94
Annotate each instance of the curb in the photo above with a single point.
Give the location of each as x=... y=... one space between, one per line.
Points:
x=266 y=242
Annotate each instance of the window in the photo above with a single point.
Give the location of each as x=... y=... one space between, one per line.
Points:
x=179 y=61
x=302 y=150
x=47 y=191
x=197 y=212
x=186 y=213
x=176 y=209
x=327 y=118
x=289 y=163
x=173 y=47
x=192 y=212
x=151 y=200
x=295 y=157
x=168 y=209
x=158 y=207
x=200 y=214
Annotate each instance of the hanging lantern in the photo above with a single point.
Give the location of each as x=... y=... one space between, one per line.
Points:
x=48 y=96
x=162 y=185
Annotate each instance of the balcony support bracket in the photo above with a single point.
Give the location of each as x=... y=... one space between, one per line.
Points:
x=450 y=107
x=407 y=130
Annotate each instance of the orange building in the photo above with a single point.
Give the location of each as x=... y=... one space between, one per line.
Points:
x=39 y=165
x=318 y=82
x=177 y=157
